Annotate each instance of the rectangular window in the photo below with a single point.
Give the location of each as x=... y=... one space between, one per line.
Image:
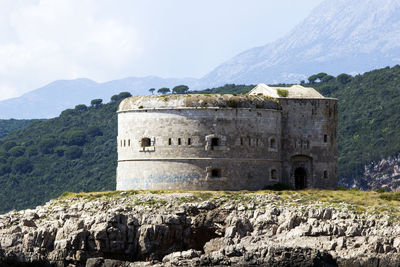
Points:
x=179 y=142
x=124 y=143
x=129 y=142
x=249 y=141
x=257 y=142
x=241 y=141
x=169 y=141
x=325 y=138
x=189 y=141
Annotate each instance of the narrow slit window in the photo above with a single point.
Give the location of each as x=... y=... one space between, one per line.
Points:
x=120 y=143
x=145 y=142
x=273 y=174
x=179 y=142
x=325 y=138
x=189 y=141
x=257 y=142
x=129 y=142
x=325 y=174
x=169 y=141
x=241 y=141
x=272 y=143
x=249 y=141
x=124 y=143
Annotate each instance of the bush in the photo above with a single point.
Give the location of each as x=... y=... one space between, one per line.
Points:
x=22 y=165
x=46 y=145
x=4 y=169
x=96 y=102
x=17 y=151
x=81 y=108
x=31 y=151
x=75 y=137
x=8 y=145
x=73 y=152
x=282 y=92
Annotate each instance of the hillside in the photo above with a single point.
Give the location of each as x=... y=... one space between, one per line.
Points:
x=339 y=36
x=7 y=126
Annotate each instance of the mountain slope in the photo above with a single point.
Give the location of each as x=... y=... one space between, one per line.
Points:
x=339 y=36
x=50 y=100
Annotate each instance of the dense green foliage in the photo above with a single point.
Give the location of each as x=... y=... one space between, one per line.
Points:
x=7 y=126
x=369 y=117
x=74 y=152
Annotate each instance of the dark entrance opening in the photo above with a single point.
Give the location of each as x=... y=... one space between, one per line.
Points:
x=214 y=142
x=300 y=178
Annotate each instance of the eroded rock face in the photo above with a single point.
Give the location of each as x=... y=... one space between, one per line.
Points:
x=181 y=229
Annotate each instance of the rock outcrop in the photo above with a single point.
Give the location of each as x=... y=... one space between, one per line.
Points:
x=200 y=228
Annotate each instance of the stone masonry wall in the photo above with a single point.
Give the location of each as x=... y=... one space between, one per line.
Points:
x=181 y=155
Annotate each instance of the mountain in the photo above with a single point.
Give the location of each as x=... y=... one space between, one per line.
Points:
x=50 y=100
x=341 y=36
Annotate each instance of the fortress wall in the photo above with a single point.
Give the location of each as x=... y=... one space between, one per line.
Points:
x=243 y=158
x=309 y=129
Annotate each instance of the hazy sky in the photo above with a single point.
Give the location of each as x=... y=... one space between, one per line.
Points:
x=42 y=41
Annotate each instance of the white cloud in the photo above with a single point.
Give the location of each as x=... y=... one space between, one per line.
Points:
x=61 y=39
x=45 y=40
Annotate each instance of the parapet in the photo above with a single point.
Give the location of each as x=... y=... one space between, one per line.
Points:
x=198 y=101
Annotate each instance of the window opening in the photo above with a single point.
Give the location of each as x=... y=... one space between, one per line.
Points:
x=325 y=138
x=145 y=142
x=169 y=141
x=121 y=143
x=124 y=143
x=326 y=174
x=257 y=142
x=129 y=142
x=241 y=141
x=273 y=174
x=215 y=173
x=214 y=142
x=272 y=143
x=249 y=141
x=179 y=141
x=189 y=141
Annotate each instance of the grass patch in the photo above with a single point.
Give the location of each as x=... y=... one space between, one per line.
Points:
x=282 y=92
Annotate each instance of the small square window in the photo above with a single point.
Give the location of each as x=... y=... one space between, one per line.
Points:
x=145 y=142
x=215 y=173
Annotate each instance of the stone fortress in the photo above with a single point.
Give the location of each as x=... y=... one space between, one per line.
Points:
x=228 y=142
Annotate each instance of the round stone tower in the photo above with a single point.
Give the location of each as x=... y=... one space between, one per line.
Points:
x=199 y=142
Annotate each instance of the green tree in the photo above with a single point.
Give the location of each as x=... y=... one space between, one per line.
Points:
x=327 y=78
x=163 y=90
x=180 y=89
x=120 y=96
x=151 y=90
x=73 y=152
x=22 y=165
x=8 y=145
x=344 y=78
x=81 y=108
x=47 y=144
x=316 y=77
x=75 y=137
x=17 y=151
x=96 y=102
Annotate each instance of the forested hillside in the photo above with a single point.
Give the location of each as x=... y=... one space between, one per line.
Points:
x=73 y=152
x=369 y=117
x=77 y=150
x=7 y=126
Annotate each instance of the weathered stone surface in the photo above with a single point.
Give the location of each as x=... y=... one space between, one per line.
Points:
x=145 y=230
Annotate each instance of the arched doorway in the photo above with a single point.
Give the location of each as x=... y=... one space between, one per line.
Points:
x=300 y=178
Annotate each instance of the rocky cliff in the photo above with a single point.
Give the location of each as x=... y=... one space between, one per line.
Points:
x=310 y=228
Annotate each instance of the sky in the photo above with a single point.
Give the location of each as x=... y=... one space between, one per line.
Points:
x=46 y=40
